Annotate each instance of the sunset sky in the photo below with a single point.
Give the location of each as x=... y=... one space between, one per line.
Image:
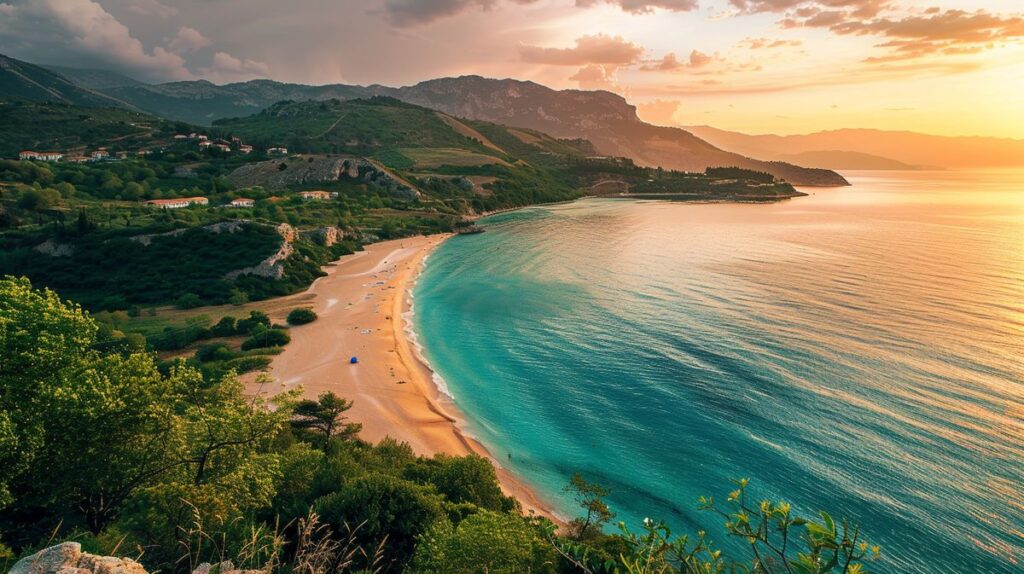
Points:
x=951 y=67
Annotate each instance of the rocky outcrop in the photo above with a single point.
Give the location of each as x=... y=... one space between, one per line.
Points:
x=326 y=236
x=68 y=558
x=273 y=266
x=222 y=227
x=54 y=249
x=225 y=567
x=318 y=169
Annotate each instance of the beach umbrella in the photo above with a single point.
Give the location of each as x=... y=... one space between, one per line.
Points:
x=353 y=360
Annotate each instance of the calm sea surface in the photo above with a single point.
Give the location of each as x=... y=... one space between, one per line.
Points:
x=860 y=351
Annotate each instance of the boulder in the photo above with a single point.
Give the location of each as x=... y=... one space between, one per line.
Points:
x=68 y=558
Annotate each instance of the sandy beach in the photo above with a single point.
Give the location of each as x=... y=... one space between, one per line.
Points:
x=361 y=305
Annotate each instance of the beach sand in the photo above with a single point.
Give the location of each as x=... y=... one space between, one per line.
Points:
x=361 y=305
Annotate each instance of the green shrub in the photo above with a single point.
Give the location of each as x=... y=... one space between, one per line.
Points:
x=188 y=301
x=267 y=338
x=301 y=316
x=390 y=510
x=247 y=325
x=226 y=327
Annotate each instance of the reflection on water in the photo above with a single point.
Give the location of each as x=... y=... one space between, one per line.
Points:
x=860 y=350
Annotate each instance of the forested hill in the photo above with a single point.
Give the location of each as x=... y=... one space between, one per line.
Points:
x=603 y=118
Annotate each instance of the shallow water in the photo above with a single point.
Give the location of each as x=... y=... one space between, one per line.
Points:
x=860 y=350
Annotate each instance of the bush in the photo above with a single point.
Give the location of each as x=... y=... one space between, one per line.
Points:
x=226 y=327
x=389 y=509
x=498 y=543
x=268 y=338
x=301 y=316
x=248 y=325
x=188 y=301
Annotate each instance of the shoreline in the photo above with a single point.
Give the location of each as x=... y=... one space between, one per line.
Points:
x=364 y=310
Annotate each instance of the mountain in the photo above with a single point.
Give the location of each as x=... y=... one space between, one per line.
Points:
x=844 y=160
x=95 y=79
x=604 y=118
x=898 y=146
x=28 y=82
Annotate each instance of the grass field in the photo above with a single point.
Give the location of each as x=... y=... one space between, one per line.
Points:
x=436 y=157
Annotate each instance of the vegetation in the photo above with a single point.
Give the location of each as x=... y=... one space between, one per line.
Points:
x=301 y=316
x=178 y=466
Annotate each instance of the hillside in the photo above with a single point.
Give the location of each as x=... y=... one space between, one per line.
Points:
x=64 y=127
x=603 y=118
x=23 y=81
x=844 y=160
x=899 y=146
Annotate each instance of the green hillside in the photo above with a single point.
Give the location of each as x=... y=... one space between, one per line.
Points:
x=64 y=127
x=23 y=81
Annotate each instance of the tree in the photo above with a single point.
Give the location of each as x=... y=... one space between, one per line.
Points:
x=384 y=511
x=267 y=338
x=325 y=416
x=89 y=427
x=464 y=479
x=492 y=542
x=590 y=497
x=301 y=316
x=188 y=301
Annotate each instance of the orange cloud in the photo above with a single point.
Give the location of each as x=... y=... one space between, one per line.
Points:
x=670 y=63
x=644 y=6
x=597 y=49
x=952 y=32
x=768 y=43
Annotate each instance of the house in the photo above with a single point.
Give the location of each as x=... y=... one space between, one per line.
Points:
x=178 y=203
x=245 y=148
x=242 y=202
x=278 y=151
x=318 y=195
x=204 y=144
x=77 y=159
x=223 y=147
x=122 y=155
x=40 y=155
x=180 y=137
x=99 y=154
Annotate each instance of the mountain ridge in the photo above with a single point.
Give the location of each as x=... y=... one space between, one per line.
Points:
x=902 y=146
x=606 y=119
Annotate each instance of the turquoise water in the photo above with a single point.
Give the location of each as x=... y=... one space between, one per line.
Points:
x=860 y=350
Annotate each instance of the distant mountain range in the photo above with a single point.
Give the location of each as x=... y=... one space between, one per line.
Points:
x=871 y=149
x=605 y=119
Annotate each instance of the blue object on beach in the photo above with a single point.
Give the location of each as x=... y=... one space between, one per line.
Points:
x=353 y=360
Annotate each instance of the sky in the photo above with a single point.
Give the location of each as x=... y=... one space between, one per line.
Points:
x=947 y=67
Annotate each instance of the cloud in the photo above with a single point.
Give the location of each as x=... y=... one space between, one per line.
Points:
x=188 y=40
x=643 y=6
x=768 y=43
x=859 y=8
x=670 y=63
x=659 y=112
x=152 y=8
x=949 y=32
x=227 y=68
x=596 y=77
x=597 y=49
x=408 y=13
x=84 y=28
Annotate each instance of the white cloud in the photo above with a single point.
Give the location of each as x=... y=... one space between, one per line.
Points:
x=188 y=40
x=85 y=28
x=227 y=68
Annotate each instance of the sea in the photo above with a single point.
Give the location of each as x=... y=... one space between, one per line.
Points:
x=858 y=351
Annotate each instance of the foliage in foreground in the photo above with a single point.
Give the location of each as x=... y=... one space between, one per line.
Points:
x=175 y=469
